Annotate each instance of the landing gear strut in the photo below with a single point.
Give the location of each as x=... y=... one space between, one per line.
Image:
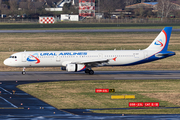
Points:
x=91 y=72
x=24 y=72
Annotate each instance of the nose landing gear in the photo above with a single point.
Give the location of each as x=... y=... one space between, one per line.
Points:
x=23 y=72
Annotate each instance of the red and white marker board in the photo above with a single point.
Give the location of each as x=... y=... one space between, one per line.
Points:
x=46 y=20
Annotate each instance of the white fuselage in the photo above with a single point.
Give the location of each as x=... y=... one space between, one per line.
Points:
x=61 y=58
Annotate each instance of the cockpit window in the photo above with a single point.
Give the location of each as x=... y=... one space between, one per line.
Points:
x=13 y=57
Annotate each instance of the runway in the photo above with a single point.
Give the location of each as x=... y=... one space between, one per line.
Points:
x=84 y=30
x=18 y=105
x=99 y=75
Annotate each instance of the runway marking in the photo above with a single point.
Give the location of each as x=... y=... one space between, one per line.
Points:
x=5 y=90
x=8 y=102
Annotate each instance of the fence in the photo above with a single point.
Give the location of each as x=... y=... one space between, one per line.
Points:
x=115 y=21
x=19 y=20
x=121 y=21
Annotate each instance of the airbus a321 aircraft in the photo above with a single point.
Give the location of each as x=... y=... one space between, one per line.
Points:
x=84 y=60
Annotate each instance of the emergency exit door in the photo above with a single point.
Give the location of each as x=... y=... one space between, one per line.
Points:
x=23 y=57
x=58 y=59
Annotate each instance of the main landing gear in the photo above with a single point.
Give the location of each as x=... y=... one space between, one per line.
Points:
x=24 y=72
x=91 y=72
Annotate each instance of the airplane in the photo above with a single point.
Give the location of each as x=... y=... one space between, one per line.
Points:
x=76 y=61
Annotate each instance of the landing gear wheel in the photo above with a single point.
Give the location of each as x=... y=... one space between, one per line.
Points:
x=23 y=72
x=91 y=72
x=87 y=71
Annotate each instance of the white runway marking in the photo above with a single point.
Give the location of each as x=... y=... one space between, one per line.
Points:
x=5 y=90
x=8 y=102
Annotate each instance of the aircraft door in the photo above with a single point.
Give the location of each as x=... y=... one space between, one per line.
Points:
x=136 y=55
x=23 y=57
x=100 y=55
x=58 y=59
x=146 y=54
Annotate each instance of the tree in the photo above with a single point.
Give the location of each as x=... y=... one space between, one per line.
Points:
x=111 y=5
x=0 y=6
x=108 y=6
x=30 y=5
x=130 y=2
x=13 y=5
x=68 y=8
x=165 y=7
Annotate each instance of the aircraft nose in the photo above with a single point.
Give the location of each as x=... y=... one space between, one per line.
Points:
x=6 y=62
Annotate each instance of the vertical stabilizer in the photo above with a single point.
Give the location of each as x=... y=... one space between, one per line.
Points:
x=162 y=40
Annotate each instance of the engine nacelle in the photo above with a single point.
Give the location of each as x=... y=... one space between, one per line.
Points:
x=75 y=67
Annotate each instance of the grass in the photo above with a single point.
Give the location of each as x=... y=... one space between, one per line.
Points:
x=16 y=42
x=81 y=94
x=79 y=41
x=67 y=25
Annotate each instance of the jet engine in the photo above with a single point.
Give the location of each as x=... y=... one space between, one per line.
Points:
x=75 y=67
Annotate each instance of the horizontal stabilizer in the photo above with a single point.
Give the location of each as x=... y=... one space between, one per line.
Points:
x=168 y=53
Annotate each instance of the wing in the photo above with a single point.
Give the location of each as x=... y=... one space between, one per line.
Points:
x=95 y=63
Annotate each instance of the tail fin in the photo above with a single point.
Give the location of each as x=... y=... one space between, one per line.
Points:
x=162 y=40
